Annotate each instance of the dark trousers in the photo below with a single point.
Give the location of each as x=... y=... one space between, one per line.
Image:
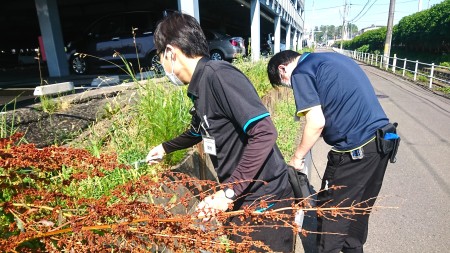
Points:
x=362 y=180
x=278 y=239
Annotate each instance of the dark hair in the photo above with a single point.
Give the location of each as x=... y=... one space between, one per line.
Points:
x=183 y=31
x=283 y=57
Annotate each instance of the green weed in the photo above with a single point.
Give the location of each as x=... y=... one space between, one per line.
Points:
x=6 y=126
x=288 y=129
x=257 y=73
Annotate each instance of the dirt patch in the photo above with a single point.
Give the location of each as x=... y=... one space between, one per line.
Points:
x=82 y=111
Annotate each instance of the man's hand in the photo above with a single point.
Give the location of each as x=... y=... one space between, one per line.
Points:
x=297 y=163
x=155 y=155
x=213 y=204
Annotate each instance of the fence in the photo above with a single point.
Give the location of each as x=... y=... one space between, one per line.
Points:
x=431 y=73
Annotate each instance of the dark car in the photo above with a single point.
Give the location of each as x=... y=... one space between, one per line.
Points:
x=223 y=46
x=130 y=34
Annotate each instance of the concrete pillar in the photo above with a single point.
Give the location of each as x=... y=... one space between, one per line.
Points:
x=189 y=7
x=48 y=16
x=288 y=36
x=277 y=34
x=255 y=23
x=300 y=41
x=294 y=40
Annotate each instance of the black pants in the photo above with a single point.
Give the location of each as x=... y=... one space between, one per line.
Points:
x=363 y=179
x=278 y=239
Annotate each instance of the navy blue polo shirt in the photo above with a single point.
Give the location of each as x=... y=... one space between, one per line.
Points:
x=351 y=109
x=226 y=106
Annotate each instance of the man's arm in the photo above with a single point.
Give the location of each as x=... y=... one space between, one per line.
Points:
x=315 y=121
x=261 y=139
x=187 y=139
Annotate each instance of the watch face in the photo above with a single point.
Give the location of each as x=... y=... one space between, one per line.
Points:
x=229 y=193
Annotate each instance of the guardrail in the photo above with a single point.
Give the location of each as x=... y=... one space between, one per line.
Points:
x=431 y=73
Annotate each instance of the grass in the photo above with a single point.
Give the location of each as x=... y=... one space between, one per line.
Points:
x=287 y=127
x=445 y=90
x=438 y=59
x=6 y=126
x=257 y=73
x=156 y=112
x=282 y=110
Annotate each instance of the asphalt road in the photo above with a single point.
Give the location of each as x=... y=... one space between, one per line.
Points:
x=417 y=186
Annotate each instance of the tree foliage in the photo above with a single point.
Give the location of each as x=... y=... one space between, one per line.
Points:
x=373 y=40
x=426 y=30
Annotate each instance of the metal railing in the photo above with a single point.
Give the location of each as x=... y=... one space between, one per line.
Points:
x=431 y=73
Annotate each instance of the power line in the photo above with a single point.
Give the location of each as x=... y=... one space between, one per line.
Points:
x=353 y=20
x=327 y=8
x=361 y=10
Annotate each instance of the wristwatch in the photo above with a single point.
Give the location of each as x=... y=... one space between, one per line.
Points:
x=229 y=193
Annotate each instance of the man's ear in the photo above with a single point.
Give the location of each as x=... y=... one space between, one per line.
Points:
x=170 y=52
x=282 y=69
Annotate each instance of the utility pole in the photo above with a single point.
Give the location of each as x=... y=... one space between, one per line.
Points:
x=387 y=44
x=343 y=23
x=420 y=6
x=312 y=30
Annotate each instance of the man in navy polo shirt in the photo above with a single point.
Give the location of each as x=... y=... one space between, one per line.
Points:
x=339 y=103
x=235 y=127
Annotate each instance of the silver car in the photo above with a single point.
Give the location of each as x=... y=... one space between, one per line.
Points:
x=224 y=46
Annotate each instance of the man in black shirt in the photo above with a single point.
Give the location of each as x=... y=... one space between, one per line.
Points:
x=230 y=119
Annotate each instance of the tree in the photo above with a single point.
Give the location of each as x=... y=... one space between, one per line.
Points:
x=427 y=30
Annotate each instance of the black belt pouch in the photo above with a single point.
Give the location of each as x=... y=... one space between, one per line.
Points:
x=388 y=146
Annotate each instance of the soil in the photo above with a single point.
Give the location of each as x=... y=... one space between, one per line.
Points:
x=80 y=111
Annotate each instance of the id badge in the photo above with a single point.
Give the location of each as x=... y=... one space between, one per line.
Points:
x=209 y=145
x=357 y=154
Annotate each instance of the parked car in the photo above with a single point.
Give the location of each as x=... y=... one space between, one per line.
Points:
x=97 y=47
x=223 y=46
x=267 y=47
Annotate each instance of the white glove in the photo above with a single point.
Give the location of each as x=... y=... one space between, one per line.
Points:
x=213 y=204
x=155 y=155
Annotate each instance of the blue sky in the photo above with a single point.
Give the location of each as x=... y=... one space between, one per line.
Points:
x=330 y=12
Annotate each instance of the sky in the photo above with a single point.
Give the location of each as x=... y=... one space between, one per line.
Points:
x=330 y=12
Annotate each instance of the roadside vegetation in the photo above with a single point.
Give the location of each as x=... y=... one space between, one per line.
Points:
x=421 y=36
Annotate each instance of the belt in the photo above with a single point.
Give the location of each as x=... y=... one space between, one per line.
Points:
x=367 y=146
x=358 y=153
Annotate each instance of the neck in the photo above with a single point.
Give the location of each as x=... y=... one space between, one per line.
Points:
x=188 y=67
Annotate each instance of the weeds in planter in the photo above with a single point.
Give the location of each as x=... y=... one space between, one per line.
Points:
x=160 y=112
x=7 y=125
x=48 y=104
x=284 y=109
x=288 y=129
x=45 y=207
x=257 y=73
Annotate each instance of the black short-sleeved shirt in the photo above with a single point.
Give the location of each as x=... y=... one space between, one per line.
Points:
x=227 y=104
x=351 y=109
